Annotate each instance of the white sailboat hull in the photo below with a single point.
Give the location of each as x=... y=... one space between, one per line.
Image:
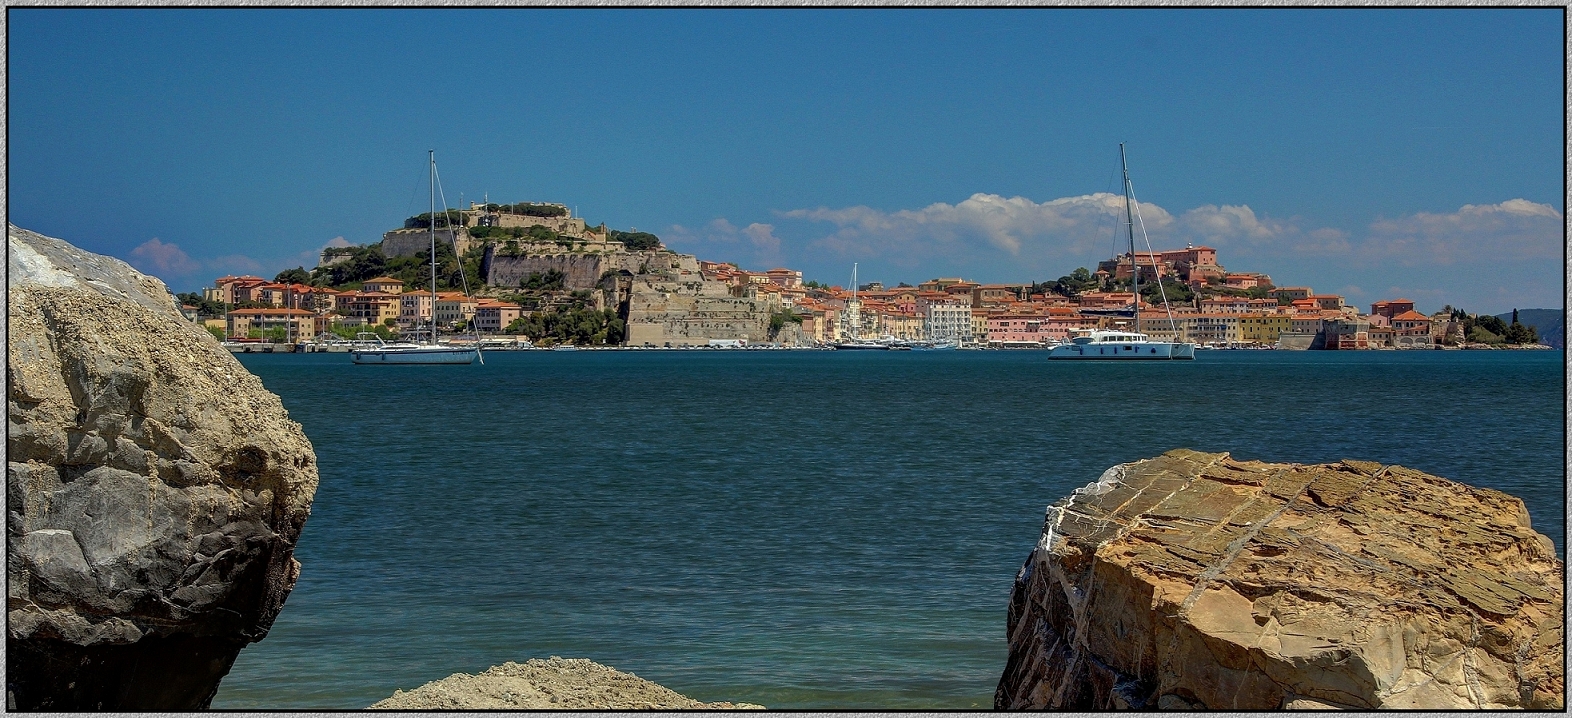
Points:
x=1130 y=351
x=414 y=355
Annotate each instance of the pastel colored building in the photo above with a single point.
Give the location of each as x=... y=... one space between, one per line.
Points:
x=385 y=285
x=414 y=308
x=371 y=307
x=297 y=324
x=494 y=316
x=1263 y=328
x=454 y=307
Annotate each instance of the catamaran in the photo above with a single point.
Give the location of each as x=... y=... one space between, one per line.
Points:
x=1117 y=344
x=431 y=352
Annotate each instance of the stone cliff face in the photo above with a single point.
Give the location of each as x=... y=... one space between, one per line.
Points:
x=155 y=491
x=1195 y=581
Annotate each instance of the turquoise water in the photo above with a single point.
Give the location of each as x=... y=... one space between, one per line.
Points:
x=796 y=529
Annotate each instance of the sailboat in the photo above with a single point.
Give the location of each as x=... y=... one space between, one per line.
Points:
x=1132 y=345
x=422 y=352
x=857 y=341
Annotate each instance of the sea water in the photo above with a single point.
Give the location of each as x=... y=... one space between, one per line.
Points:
x=795 y=529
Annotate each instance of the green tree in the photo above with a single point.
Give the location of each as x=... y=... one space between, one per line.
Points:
x=447 y=218
x=779 y=319
x=1177 y=292
x=1483 y=336
x=298 y=275
x=217 y=333
x=636 y=241
x=205 y=307
x=1517 y=333
x=1071 y=284
x=550 y=280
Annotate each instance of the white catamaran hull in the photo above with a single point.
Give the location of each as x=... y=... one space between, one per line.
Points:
x=420 y=355
x=1124 y=352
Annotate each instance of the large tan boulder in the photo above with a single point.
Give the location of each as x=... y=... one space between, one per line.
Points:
x=1196 y=581
x=554 y=683
x=155 y=491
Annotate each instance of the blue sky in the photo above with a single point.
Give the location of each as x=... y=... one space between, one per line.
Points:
x=1375 y=153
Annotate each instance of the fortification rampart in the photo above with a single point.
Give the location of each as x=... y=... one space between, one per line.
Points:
x=412 y=241
x=581 y=270
x=691 y=313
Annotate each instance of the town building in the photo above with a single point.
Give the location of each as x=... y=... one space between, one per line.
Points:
x=493 y=316
x=385 y=285
x=297 y=324
x=1214 y=329
x=1264 y=328
x=414 y=308
x=946 y=318
x=453 y=307
x=370 y=307
x=1346 y=333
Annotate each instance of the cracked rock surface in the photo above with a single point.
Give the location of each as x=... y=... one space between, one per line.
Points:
x=1194 y=581
x=155 y=491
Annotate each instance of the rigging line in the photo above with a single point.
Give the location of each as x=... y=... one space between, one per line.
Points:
x=410 y=206
x=457 y=259
x=1160 y=290
x=452 y=234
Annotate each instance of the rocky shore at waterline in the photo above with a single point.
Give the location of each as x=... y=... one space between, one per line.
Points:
x=155 y=491
x=554 y=683
x=1195 y=581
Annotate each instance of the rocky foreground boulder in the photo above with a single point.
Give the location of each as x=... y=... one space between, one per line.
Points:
x=1194 y=581
x=556 y=683
x=155 y=491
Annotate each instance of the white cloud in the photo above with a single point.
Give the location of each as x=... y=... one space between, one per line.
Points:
x=1514 y=229
x=164 y=260
x=1013 y=225
x=1226 y=224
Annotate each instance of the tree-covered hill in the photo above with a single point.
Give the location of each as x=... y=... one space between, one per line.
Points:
x=1550 y=323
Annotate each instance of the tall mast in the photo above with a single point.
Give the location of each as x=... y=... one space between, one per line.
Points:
x=432 y=227
x=856 y=308
x=1135 y=267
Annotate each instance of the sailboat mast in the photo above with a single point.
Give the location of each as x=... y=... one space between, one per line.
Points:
x=856 y=308
x=432 y=231
x=1135 y=267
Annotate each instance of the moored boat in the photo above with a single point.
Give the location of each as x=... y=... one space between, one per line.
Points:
x=422 y=353
x=1121 y=344
x=1102 y=344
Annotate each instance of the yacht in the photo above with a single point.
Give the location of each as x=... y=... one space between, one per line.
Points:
x=1104 y=344
x=1126 y=345
x=426 y=352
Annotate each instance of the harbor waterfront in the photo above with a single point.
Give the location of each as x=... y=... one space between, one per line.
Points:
x=793 y=529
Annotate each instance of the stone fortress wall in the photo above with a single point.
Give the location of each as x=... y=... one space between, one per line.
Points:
x=582 y=270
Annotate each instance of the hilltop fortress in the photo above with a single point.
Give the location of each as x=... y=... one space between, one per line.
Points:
x=661 y=295
x=487 y=220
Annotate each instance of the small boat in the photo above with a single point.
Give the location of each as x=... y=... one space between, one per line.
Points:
x=565 y=348
x=1118 y=344
x=423 y=353
x=861 y=344
x=932 y=346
